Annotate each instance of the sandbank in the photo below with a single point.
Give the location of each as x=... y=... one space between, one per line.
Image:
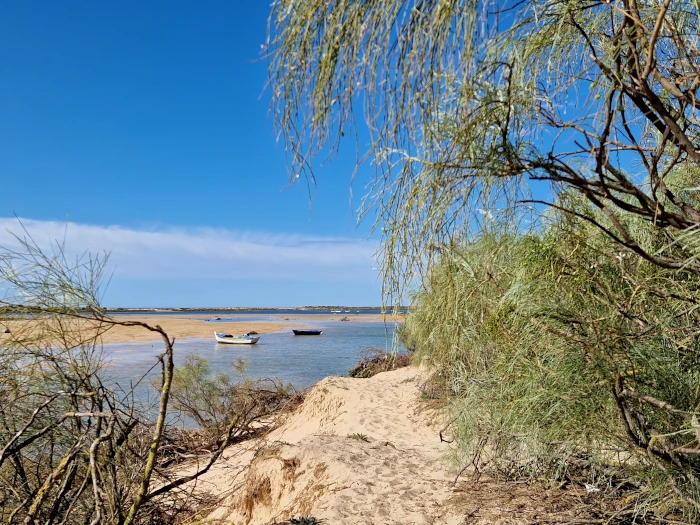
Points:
x=178 y=327
x=367 y=318
x=185 y=326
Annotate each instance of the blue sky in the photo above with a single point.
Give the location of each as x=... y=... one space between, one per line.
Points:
x=144 y=128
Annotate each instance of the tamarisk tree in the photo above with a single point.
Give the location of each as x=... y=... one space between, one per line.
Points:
x=468 y=101
x=484 y=114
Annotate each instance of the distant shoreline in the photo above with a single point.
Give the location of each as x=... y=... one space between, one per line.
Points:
x=290 y=310
x=247 y=309
x=183 y=325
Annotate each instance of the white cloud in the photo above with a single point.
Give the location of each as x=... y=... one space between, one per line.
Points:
x=205 y=252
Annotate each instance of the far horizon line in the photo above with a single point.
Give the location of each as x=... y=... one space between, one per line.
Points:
x=222 y=308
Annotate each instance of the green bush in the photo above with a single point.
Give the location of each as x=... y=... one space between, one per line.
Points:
x=567 y=356
x=212 y=401
x=375 y=360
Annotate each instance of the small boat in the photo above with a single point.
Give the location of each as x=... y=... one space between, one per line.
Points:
x=307 y=332
x=236 y=339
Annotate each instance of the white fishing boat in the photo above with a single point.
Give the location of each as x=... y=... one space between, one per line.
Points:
x=236 y=339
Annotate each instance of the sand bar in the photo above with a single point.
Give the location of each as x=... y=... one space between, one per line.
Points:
x=186 y=326
x=179 y=327
x=366 y=318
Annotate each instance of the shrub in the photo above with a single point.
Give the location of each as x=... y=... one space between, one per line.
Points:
x=76 y=448
x=562 y=351
x=212 y=401
x=374 y=361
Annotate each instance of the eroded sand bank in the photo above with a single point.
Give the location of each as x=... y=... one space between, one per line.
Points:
x=368 y=452
x=357 y=451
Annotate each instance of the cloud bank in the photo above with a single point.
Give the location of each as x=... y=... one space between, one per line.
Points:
x=205 y=253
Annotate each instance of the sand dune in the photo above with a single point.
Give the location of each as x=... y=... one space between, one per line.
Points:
x=357 y=451
x=318 y=464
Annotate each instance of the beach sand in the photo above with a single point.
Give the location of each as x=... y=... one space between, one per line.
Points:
x=357 y=451
x=175 y=326
x=368 y=452
x=188 y=326
x=184 y=326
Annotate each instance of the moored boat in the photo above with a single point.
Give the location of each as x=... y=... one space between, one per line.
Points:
x=307 y=332
x=236 y=339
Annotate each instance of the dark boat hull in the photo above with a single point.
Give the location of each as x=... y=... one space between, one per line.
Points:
x=307 y=332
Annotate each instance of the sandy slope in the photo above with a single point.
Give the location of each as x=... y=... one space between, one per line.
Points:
x=311 y=467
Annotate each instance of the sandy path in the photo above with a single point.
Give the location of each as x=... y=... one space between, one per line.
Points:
x=312 y=466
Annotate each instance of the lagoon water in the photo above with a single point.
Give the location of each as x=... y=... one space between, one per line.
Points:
x=300 y=360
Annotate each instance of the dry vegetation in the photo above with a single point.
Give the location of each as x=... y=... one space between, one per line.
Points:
x=77 y=448
x=374 y=360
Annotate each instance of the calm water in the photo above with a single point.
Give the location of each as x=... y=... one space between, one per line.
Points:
x=262 y=312
x=301 y=360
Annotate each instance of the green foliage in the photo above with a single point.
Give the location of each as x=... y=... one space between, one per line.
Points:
x=596 y=97
x=214 y=400
x=63 y=426
x=567 y=338
x=359 y=437
x=563 y=351
x=376 y=360
x=206 y=398
x=74 y=446
x=306 y=520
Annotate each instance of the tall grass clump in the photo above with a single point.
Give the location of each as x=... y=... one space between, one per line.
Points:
x=568 y=357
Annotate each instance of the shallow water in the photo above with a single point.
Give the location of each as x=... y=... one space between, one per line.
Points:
x=258 y=312
x=300 y=360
